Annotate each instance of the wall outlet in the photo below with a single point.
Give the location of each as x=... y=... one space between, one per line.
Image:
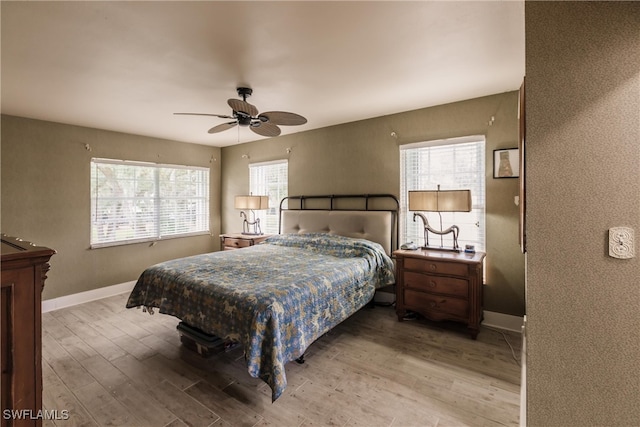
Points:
x=621 y=242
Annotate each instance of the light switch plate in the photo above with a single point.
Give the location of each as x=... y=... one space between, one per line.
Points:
x=621 y=242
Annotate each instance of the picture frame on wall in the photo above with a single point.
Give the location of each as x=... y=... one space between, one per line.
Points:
x=506 y=163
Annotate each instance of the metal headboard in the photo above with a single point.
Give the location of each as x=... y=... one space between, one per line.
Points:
x=347 y=202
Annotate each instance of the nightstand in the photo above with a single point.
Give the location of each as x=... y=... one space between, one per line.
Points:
x=231 y=241
x=440 y=285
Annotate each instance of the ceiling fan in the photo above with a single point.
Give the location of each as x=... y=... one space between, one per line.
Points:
x=245 y=114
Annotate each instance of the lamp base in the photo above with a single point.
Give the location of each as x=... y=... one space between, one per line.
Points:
x=246 y=233
x=440 y=248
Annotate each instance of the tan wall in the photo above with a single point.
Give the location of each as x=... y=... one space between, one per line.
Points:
x=46 y=199
x=363 y=157
x=583 y=161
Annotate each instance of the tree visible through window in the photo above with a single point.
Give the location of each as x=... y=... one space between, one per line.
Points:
x=453 y=164
x=269 y=179
x=135 y=201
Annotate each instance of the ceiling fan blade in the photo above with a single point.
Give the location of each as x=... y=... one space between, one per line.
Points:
x=222 y=116
x=265 y=129
x=223 y=126
x=245 y=107
x=283 y=118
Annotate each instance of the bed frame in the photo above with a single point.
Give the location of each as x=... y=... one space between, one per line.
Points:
x=368 y=216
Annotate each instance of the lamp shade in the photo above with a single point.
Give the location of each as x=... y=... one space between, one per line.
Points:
x=440 y=201
x=252 y=202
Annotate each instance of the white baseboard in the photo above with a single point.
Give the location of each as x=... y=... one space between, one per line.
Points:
x=82 y=297
x=503 y=321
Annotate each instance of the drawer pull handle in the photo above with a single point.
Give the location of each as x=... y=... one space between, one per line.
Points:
x=432 y=284
x=433 y=267
x=432 y=304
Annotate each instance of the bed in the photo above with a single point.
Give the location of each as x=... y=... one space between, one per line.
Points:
x=276 y=298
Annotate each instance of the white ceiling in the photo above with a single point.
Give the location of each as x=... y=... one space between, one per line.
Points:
x=128 y=66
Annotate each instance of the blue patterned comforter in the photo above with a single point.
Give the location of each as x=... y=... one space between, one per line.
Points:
x=275 y=298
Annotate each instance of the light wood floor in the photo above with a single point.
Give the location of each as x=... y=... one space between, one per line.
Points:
x=112 y=366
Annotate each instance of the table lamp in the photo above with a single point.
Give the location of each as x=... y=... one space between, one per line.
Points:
x=439 y=201
x=252 y=203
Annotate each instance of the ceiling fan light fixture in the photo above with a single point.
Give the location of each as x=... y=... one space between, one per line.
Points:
x=243 y=119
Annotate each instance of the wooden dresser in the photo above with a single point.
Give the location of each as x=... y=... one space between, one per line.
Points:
x=440 y=285
x=24 y=270
x=238 y=240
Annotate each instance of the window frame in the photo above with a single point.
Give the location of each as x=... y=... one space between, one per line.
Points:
x=158 y=216
x=269 y=219
x=464 y=220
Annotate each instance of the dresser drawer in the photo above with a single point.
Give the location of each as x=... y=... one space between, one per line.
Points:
x=436 y=284
x=236 y=243
x=439 y=267
x=430 y=302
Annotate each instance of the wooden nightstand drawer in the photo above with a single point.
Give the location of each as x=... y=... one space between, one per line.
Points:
x=439 y=267
x=430 y=302
x=232 y=241
x=236 y=243
x=436 y=284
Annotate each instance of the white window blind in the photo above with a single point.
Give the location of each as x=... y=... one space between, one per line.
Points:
x=454 y=164
x=269 y=179
x=136 y=202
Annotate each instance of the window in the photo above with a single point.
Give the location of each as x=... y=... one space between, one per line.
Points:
x=454 y=164
x=136 y=202
x=269 y=179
